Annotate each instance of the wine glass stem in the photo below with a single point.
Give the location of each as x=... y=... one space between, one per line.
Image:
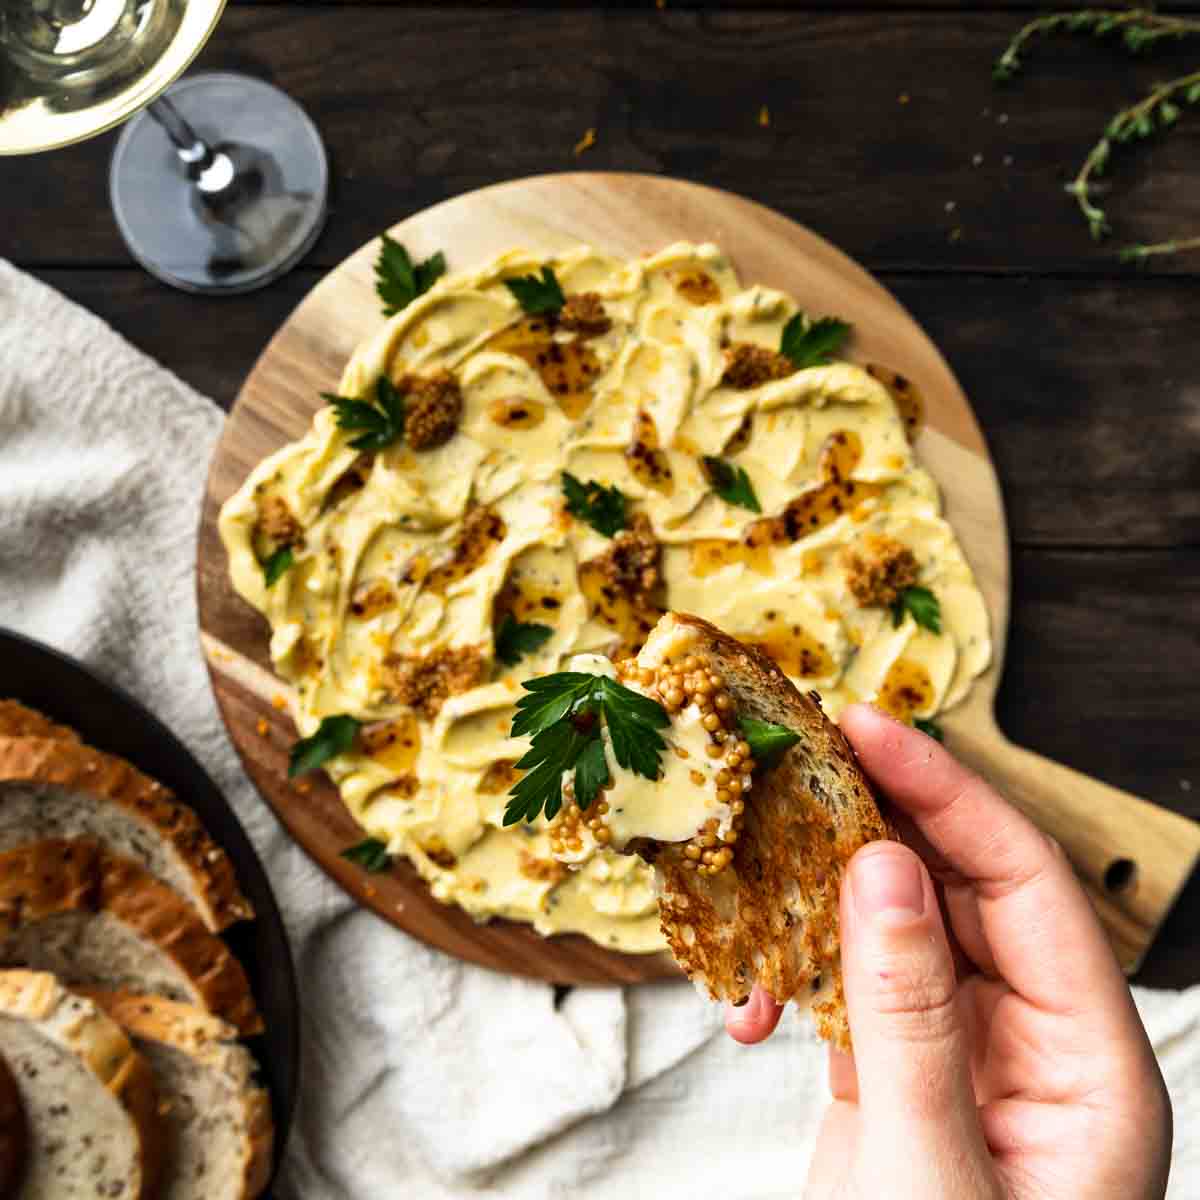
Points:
x=192 y=149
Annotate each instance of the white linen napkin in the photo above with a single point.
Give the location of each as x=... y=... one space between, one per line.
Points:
x=421 y=1076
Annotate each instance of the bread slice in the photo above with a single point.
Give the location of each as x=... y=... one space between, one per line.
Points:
x=14 y=1133
x=217 y=1119
x=96 y=918
x=88 y=1095
x=17 y=720
x=51 y=787
x=771 y=917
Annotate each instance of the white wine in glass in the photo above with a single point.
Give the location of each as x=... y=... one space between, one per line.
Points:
x=220 y=185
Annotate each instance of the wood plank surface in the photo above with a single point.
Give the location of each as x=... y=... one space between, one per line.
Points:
x=887 y=134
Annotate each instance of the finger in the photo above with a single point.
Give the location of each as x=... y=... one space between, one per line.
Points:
x=843 y=1080
x=1043 y=935
x=911 y=1053
x=753 y=1021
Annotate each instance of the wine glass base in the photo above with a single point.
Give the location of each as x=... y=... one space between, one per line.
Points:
x=243 y=238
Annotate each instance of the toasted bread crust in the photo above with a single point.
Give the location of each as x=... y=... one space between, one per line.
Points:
x=78 y=874
x=68 y=764
x=771 y=919
x=103 y=1049
x=18 y=720
x=209 y=1040
x=14 y=1135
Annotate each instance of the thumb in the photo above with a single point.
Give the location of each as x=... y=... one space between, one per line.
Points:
x=910 y=1042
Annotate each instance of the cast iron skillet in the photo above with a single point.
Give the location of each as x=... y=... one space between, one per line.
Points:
x=110 y=719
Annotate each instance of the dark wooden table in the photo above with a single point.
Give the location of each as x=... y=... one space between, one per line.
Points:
x=887 y=136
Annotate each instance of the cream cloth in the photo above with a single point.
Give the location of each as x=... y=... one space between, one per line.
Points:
x=421 y=1076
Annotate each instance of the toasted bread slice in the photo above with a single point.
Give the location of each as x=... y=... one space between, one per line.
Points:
x=88 y=1095
x=96 y=918
x=14 y=1133
x=55 y=788
x=18 y=720
x=771 y=917
x=217 y=1119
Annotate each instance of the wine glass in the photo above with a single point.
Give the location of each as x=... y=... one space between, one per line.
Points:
x=219 y=186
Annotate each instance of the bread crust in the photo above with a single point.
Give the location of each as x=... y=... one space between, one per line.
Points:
x=68 y=764
x=212 y=1043
x=79 y=874
x=14 y=1134
x=19 y=720
x=97 y=1041
x=772 y=918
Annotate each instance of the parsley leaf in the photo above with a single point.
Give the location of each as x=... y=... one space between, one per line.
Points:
x=767 y=741
x=591 y=772
x=603 y=508
x=731 y=483
x=563 y=712
x=932 y=728
x=537 y=296
x=382 y=423
x=372 y=855
x=398 y=280
x=923 y=605
x=515 y=639
x=808 y=344
x=276 y=564
x=334 y=736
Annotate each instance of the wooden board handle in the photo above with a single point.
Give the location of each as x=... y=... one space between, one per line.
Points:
x=1132 y=856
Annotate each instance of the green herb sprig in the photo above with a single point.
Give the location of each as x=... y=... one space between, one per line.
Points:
x=932 y=728
x=398 y=280
x=603 y=508
x=922 y=604
x=334 y=736
x=371 y=854
x=515 y=639
x=811 y=343
x=767 y=740
x=1137 y=30
x=275 y=565
x=381 y=423
x=564 y=713
x=537 y=296
x=731 y=483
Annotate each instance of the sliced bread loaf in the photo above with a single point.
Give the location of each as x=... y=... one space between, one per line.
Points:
x=17 y=720
x=55 y=788
x=88 y=1095
x=771 y=918
x=14 y=1133
x=217 y=1119
x=97 y=918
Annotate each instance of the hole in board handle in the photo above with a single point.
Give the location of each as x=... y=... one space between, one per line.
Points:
x=1120 y=875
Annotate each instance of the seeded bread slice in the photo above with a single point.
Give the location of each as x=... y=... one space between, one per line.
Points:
x=88 y=1095
x=218 y=1121
x=14 y=1134
x=96 y=918
x=55 y=788
x=17 y=720
x=771 y=917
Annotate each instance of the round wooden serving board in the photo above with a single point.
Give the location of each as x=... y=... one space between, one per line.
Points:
x=1132 y=856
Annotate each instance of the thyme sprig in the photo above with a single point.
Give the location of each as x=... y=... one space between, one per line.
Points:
x=1138 y=30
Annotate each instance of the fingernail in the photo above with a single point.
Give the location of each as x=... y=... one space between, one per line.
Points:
x=887 y=879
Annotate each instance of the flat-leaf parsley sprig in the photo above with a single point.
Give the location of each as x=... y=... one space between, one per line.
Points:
x=922 y=604
x=812 y=343
x=398 y=280
x=537 y=296
x=564 y=713
x=603 y=508
x=381 y=423
x=731 y=483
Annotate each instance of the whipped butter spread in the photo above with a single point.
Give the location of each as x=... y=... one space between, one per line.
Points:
x=405 y=562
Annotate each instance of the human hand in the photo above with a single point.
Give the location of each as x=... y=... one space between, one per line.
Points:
x=1004 y=1060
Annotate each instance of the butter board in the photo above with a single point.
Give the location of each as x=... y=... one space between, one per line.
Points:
x=1132 y=856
